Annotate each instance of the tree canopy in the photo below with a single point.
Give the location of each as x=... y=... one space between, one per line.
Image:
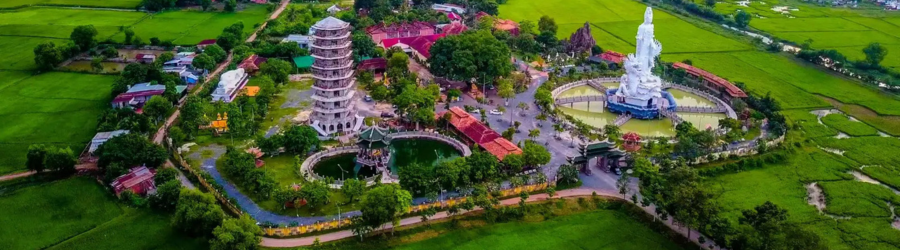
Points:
x=197 y=213
x=83 y=36
x=470 y=55
x=383 y=204
x=236 y=234
x=130 y=150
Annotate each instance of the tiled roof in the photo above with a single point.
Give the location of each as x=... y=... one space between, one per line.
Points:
x=399 y=27
x=330 y=23
x=485 y=137
x=252 y=62
x=732 y=90
x=124 y=97
x=372 y=64
x=454 y=28
x=422 y=44
x=612 y=56
x=207 y=42
x=139 y=180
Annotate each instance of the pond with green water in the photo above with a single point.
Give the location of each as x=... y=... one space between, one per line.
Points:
x=403 y=153
x=596 y=115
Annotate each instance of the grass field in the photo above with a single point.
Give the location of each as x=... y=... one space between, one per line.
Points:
x=844 y=124
x=126 y=4
x=136 y=229
x=191 y=27
x=809 y=124
x=50 y=108
x=41 y=216
x=59 y=23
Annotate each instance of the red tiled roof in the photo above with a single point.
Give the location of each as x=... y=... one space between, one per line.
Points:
x=732 y=90
x=612 y=56
x=481 y=14
x=422 y=44
x=454 y=28
x=485 y=137
x=453 y=16
x=139 y=180
x=372 y=64
x=252 y=62
x=399 y=27
x=508 y=25
x=207 y=42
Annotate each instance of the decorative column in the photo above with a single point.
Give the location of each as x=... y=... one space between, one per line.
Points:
x=333 y=112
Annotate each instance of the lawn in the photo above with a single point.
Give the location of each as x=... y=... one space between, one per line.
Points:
x=614 y=24
x=126 y=4
x=41 y=216
x=51 y=108
x=189 y=27
x=136 y=229
x=844 y=124
x=59 y=22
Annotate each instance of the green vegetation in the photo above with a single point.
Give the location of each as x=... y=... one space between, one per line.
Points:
x=59 y=22
x=188 y=27
x=136 y=229
x=855 y=199
x=809 y=124
x=889 y=175
x=51 y=108
x=46 y=214
x=126 y=4
x=844 y=124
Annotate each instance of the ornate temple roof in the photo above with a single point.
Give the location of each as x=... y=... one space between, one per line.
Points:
x=330 y=23
x=374 y=137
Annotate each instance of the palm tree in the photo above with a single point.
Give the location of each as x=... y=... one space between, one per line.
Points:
x=534 y=133
x=612 y=131
x=522 y=106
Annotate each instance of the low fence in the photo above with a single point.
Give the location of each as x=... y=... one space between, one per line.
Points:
x=345 y=222
x=719 y=102
x=563 y=88
x=187 y=167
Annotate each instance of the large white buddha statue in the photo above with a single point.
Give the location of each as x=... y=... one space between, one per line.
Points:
x=639 y=86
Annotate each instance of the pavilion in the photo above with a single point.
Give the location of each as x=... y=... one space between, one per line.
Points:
x=476 y=132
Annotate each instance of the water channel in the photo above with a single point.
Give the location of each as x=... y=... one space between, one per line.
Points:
x=597 y=116
x=403 y=153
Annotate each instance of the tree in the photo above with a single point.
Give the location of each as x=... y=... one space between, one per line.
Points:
x=483 y=166
x=204 y=61
x=83 y=36
x=47 y=55
x=353 y=188
x=514 y=162
x=165 y=175
x=129 y=35
x=710 y=3
x=301 y=139
x=522 y=107
x=236 y=234
x=157 y=107
x=205 y=4
x=34 y=160
x=547 y=24
x=230 y=5
x=567 y=174
x=742 y=19
x=60 y=160
x=535 y=154
x=276 y=69
x=216 y=52
x=505 y=90
x=612 y=131
x=197 y=213
x=157 y=5
x=384 y=203
x=130 y=150
x=534 y=133
x=766 y=227
x=229 y=40
x=470 y=55
x=363 y=46
x=97 y=64
x=875 y=53
x=167 y=194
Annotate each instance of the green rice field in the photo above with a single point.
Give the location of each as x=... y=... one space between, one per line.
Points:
x=78 y=213
x=126 y=4
x=191 y=27
x=51 y=108
x=850 y=127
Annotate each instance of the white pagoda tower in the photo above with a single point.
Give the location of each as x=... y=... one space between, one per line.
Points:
x=333 y=112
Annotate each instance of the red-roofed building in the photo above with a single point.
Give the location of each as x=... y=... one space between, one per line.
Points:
x=476 y=132
x=723 y=87
x=453 y=16
x=139 y=180
x=419 y=45
x=376 y=65
x=454 y=28
x=508 y=25
x=145 y=58
x=481 y=14
x=399 y=30
x=202 y=45
x=251 y=63
x=610 y=58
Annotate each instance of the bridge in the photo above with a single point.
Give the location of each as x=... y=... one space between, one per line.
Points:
x=672 y=116
x=582 y=98
x=696 y=109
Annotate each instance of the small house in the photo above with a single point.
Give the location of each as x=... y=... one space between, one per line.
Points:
x=138 y=180
x=721 y=87
x=202 y=45
x=610 y=58
x=145 y=58
x=102 y=137
x=140 y=93
x=251 y=63
x=301 y=40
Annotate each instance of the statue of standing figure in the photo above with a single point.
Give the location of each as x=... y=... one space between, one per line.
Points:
x=639 y=84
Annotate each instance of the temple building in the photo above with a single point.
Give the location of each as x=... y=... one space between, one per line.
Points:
x=473 y=131
x=230 y=85
x=399 y=30
x=721 y=87
x=333 y=112
x=603 y=154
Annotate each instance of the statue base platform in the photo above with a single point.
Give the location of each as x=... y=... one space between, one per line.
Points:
x=643 y=112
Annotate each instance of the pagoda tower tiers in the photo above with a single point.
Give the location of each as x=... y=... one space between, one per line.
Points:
x=334 y=111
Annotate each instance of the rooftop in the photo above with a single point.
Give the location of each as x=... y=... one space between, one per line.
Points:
x=732 y=90
x=139 y=180
x=330 y=23
x=421 y=44
x=485 y=137
x=304 y=62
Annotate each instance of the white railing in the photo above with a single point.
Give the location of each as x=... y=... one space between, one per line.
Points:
x=583 y=98
x=460 y=146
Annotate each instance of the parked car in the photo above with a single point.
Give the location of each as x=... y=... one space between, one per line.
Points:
x=496 y=112
x=368 y=98
x=386 y=115
x=476 y=111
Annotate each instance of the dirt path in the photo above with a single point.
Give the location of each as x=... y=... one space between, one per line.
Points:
x=83 y=166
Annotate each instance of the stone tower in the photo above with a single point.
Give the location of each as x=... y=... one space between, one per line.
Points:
x=334 y=111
